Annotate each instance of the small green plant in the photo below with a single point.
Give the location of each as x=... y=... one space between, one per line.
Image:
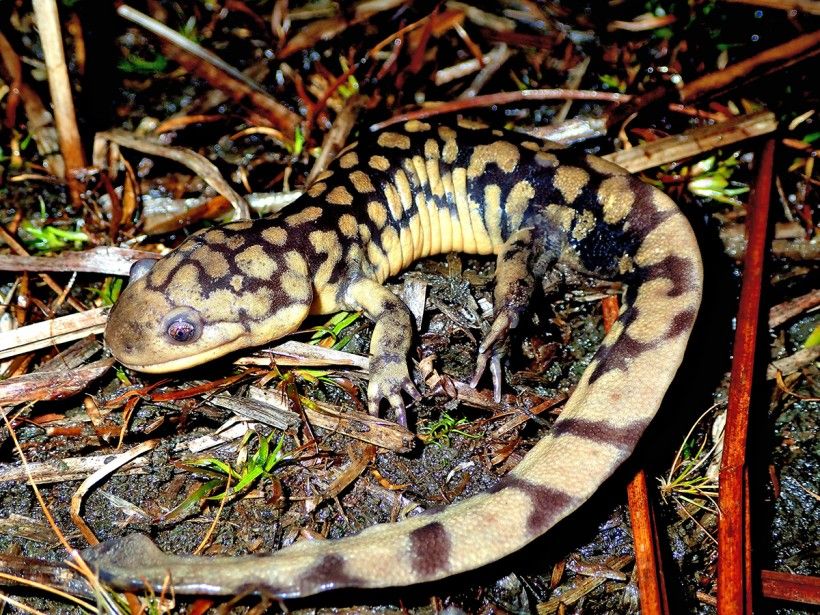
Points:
x=110 y=291
x=242 y=475
x=687 y=480
x=440 y=431
x=712 y=179
x=137 y=65
x=50 y=238
x=330 y=331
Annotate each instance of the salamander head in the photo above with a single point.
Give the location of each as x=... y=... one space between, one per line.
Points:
x=221 y=290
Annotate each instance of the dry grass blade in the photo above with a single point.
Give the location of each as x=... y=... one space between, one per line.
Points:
x=558 y=604
x=197 y=163
x=52 y=332
x=49 y=385
x=104 y=259
x=61 y=470
x=48 y=25
x=217 y=72
x=115 y=462
x=695 y=141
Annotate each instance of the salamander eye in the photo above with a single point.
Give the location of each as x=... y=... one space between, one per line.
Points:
x=141 y=268
x=183 y=326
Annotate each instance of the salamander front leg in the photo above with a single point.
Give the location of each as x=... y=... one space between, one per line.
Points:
x=513 y=289
x=391 y=340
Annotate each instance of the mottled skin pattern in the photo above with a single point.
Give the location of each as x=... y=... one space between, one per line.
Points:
x=413 y=192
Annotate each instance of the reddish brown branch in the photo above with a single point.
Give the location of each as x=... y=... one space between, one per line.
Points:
x=791 y=587
x=734 y=567
x=774 y=58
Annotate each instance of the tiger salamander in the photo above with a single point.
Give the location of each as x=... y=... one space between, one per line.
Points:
x=409 y=193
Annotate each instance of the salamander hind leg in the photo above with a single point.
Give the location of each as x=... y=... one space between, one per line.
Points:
x=513 y=289
x=389 y=345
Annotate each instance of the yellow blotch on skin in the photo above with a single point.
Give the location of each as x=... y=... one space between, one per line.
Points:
x=663 y=241
x=348 y=226
x=378 y=259
x=393 y=201
x=605 y=167
x=467 y=233
x=361 y=182
x=654 y=308
x=450 y=149
x=326 y=174
x=257 y=304
x=242 y=225
x=213 y=262
x=570 y=181
x=561 y=216
x=492 y=212
x=295 y=287
x=235 y=242
x=256 y=263
x=392 y=248
x=325 y=242
x=616 y=198
x=296 y=263
x=432 y=156
x=585 y=223
x=626 y=264
x=403 y=189
x=377 y=213
x=317 y=189
x=393 y=140
x=308 y=214
x=364 y=233
x=339 y=196
x=214 y=236
x=518 y=200
x=546 y=159
x=380 y=163
x=349 y=160
x=416 y=126
x=160 y=273
x=184 y=287
x=275 y=235
x=220 y=305
x=236 y=282
x=503 y=154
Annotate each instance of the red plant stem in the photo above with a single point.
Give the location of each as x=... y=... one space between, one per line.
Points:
x=733 y=564
x=648 y=566
x=788 y=586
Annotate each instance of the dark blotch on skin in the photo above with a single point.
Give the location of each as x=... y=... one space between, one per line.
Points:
x=329 y=573
x=676 y=269
x=622 y=437
x=619 y=355
x=682 y=323
x=548 y=505
x=430 y=549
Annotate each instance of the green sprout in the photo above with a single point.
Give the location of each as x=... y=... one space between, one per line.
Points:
x=352 y=86
x=110 y=291
x=298 y=141
x=711 y=179
x=136 y=64
x=813 y=339
x=440 y=431
x=687 y=481
x=50 y=238
x=243 y=474
x=614 y=82
x=333 y=328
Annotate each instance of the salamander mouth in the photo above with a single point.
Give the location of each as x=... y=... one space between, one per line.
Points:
x=198 y=356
